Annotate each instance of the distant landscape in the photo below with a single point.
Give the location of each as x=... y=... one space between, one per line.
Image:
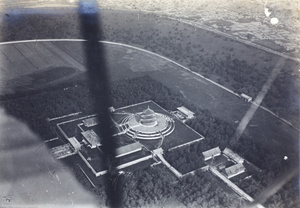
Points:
x=48 y=79
x=226 y=61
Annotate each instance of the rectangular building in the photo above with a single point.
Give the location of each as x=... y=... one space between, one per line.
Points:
x=232 y=155
x=128 y=149
x=89 y=122
x=91 y=138
x=62 y=151
x=211 y=153
x=189 y=114
x=234 y=170
x=74 y=142
x=246 y=97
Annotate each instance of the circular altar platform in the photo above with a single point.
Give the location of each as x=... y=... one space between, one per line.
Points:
x=148 y=125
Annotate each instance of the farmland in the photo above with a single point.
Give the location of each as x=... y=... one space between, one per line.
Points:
x=34 y=68
x=239 y=67
x=262 y=128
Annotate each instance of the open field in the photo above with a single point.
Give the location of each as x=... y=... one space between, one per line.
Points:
x=226 y=16
x=240 y=67
x=191 y=47
x=263 y=127
x=37 y=80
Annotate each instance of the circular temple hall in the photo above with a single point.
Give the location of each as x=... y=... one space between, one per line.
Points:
x=148 y=125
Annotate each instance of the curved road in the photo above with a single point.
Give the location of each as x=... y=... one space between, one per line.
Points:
x=236 y=39
x=81 y=67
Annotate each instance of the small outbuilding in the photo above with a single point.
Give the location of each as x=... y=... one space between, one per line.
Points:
x=111 y=109
x=246 y=97
x=232 y=155
x=91 y=138
x=211 y=153
x=89 y=122
x=62 y=151
x=234 y=170
x=128 y=149
x=186 y=112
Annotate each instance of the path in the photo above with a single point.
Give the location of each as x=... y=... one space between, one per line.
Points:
x=234 y=187
x=158 y=153
x=69 y=59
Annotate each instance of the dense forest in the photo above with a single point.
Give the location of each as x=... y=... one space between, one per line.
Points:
x=187 y=158
x=35 y=108
x=154 y=186
x=232 y=64
x=287 y=196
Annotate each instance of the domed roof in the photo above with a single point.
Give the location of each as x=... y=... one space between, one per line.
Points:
x=148 y=112
x=147 y=117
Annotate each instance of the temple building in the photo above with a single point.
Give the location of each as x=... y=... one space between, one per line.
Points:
x=139 y=130
x=148 y=125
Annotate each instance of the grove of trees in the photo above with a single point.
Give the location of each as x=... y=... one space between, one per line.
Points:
x=154 y=186
x=223 y=61
x=199 y=190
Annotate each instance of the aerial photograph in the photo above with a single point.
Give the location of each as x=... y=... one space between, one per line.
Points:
x=151 y=103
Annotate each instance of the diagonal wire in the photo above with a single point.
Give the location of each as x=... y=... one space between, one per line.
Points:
x=259 y=98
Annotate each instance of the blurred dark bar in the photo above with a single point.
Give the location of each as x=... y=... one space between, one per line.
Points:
x=99 y=86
